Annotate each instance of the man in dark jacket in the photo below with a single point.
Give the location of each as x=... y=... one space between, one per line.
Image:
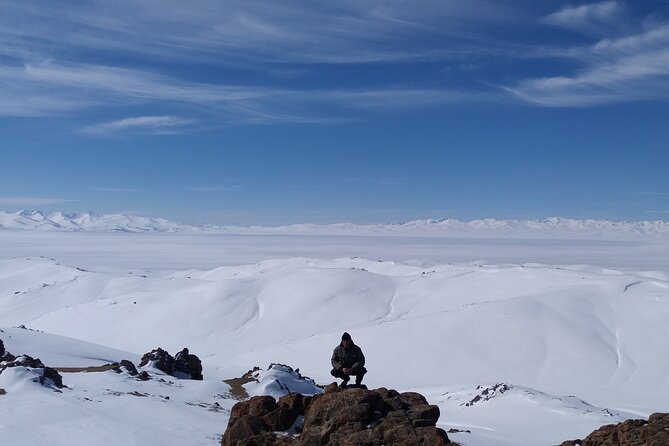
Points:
x=347 y=360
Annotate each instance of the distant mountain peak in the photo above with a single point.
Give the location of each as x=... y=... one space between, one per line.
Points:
x=87 y=222
x=446 y=227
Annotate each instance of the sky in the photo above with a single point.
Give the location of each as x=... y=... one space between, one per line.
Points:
x=264 y=112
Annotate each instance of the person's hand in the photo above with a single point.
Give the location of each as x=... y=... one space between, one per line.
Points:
x=346 y=371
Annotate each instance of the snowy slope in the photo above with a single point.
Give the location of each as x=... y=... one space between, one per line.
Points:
x=547 y=332
x=105 y=408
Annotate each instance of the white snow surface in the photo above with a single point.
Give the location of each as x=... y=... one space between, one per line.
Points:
x=566 y=335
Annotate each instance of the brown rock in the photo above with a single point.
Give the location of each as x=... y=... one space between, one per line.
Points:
x=654 y=432
x=340 y=417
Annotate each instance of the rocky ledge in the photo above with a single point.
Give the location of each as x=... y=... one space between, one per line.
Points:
x=339 y=416
x=654 y=432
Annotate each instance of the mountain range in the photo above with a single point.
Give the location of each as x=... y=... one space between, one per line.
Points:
x=554 y=226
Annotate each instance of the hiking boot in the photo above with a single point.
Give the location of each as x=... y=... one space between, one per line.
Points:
x=346 y=380
x=359 y=376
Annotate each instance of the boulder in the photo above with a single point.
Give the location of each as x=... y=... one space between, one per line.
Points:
x=128 y=366
x=654 y=432
x=337 y=417
x=188 y=364
x=183 y=365
x=159 y=359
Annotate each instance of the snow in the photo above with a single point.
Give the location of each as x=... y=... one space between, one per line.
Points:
x=554 y=226
x=573 y=331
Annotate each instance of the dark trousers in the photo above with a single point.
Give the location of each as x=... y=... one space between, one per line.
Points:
x=358 y=375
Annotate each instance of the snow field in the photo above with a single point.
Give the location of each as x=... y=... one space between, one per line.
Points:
x=578 y=346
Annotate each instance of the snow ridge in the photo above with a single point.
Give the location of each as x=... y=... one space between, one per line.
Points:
x=89 y=221
x=553 y=227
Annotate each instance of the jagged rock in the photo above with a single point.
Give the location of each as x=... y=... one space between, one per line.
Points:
x=53 y=375
x=654 y=432
x=5 y=356
x=189 y=364
x=128 y=366
x=33 y=363
x=159 y=359
x=338 y=417
x=184 y=365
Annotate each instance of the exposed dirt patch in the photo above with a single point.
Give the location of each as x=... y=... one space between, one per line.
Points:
x=237 y=391
x=99 y=368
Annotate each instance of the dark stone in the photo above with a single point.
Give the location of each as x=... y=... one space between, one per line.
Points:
x=2 y=348
x=182 y=365
x=53 y=375
x=654 y=432
x=128 y=367
x=161 y=360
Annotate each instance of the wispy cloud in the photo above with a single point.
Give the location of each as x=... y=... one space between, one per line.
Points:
x=653 y=194
x=402 y=98
x=628 y=68
x=50 y=88
x=141 y=124
x=81 y=86
x=31 y=201
x=296 y=31
x=120 y=190
x=588 y=18
x=46 y=68
x=207 y=189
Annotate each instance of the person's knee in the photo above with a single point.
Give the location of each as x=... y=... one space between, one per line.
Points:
x=336 y=373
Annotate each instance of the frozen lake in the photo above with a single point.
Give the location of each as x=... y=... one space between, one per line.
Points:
x=183 y=251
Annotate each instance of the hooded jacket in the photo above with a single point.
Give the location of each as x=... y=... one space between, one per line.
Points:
x=351 y=358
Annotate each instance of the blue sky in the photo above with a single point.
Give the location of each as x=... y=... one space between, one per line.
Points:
x=265 y=112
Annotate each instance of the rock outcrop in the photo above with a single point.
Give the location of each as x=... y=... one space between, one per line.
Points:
x=159 y=359
x=47 y=375
x=654 y=432
x=185 y=365
x=339 y=417
x=5 y=356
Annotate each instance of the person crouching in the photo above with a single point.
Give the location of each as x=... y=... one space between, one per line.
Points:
x=347 y=360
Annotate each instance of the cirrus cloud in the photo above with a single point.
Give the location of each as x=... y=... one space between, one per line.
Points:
x=141 y=124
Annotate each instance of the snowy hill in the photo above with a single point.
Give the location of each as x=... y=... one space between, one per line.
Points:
x=550 y=227
x=576 y=347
